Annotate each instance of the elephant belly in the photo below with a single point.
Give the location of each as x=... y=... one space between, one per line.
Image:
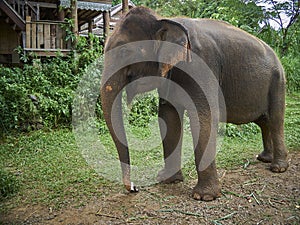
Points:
x=245 y=102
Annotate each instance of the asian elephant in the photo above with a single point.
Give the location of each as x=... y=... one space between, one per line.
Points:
x=249 y=76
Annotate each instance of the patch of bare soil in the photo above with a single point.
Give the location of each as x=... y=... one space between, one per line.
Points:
x=251 y=195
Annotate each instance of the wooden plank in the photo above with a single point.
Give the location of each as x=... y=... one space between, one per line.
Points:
x=47 y=52
x=52 y=36
x=47 y=36
x=58 y=37
x=28 y=32
x=43 y=4
x=40 y=35
x=33 y=35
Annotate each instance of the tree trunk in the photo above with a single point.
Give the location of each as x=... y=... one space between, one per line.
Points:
x=125 y=6
x=75 y=19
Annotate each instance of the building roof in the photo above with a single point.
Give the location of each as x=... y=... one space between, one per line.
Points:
x=89 y=5
x=115 y=13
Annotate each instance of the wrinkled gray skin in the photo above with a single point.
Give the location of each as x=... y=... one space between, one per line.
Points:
x=249 y=73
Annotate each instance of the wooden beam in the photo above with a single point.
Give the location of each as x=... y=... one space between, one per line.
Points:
x=106 y=20
x=74 y=18
x=90 y=26
x=125 y=6
x=48 y=52
x=28 y=32
x=44 y=4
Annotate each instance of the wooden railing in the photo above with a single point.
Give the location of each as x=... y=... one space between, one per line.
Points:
x=46 y=37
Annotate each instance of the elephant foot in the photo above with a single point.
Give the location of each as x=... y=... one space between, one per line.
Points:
x=265 y=157
x=169 y=176
x=279 y=166
x=207 y=193
x=131 y=188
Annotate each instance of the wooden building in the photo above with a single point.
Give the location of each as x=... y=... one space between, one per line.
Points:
x=101 y=26
x=38 y=25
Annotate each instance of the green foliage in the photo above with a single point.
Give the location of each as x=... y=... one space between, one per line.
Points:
x=292 y=121
x=242 y=131
x=68 y=26
x=291 y=64
x=41 y=93
x=143 y=110
x=9 y=185
x=284 y=15
x=15 y=105
x=246 y=15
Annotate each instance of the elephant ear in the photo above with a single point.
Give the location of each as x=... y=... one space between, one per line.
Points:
x=172 y=31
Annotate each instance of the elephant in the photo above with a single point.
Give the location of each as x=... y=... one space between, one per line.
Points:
x=251 y=88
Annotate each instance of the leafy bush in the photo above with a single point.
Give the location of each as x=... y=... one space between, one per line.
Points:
x=41 y=94
x=9 y=185
x=291 y=64
x=16 y=107
x=241 y=131
x=143 y=110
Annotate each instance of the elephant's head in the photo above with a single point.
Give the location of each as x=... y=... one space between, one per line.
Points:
x=128 y=59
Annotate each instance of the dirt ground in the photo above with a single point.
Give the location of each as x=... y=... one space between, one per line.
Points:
x=251 y=195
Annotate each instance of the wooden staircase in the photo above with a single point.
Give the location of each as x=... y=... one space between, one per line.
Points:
x=13 y=17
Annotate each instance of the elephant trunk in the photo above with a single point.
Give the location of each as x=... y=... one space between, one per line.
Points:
x=111 y=100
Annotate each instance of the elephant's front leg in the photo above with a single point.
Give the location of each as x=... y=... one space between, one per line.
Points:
x=170 y=123
x=204 y=132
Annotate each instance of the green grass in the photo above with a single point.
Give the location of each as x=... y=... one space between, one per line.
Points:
x=47 y=167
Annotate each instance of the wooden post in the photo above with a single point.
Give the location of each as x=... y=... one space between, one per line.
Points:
x=90 y=28
x=74 y=18
x=28 y=32
x=90 y=31
x=106 y=25
x=38 y=12
x=26 y=9
x=33 y=35
x=47 y=37
x=59 y=37
x=40 y=31
x=125 y=6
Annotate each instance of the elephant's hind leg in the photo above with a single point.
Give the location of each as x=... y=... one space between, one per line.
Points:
x=267 y=154
x=276 y=113
x=170 y=123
